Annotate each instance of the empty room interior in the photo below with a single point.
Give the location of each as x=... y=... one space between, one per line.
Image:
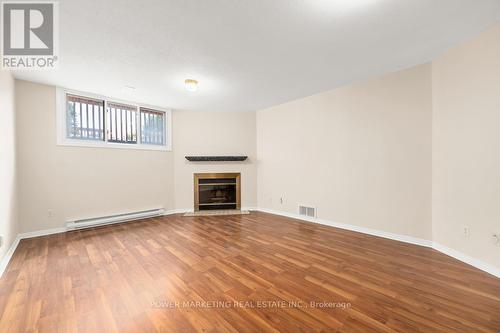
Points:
x=250 y=166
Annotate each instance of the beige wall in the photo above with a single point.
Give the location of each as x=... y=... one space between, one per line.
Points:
x=412 y=153
x=77 y=182
x=8 y=177
x=361 y=154
x=466 y=147
x=213 y=133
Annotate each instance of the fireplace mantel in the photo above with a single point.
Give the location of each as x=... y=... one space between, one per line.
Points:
x=216 y=158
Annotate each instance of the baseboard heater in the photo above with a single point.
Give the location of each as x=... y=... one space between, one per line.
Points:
x=118 y=218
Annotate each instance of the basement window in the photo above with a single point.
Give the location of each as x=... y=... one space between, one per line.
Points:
x=121 y=124
x=84 y=118
x=152 y=127
x=88 y=120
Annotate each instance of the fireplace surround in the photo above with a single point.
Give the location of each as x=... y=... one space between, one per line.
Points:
x=217 y=191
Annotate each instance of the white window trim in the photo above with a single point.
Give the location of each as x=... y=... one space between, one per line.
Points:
x=63 y=140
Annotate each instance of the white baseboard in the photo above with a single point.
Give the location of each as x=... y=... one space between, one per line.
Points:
x=39 y=233
x=467 y=259
x=373 y=232
x=402 y=238
x=8 y=255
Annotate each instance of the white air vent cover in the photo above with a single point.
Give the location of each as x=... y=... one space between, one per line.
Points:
x=307 y=211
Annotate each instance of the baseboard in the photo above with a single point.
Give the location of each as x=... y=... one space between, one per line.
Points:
x=373 y=232
x=495 y=271
x=8 y=255
x=45 y=232
x=52 y=231
x=488 y=268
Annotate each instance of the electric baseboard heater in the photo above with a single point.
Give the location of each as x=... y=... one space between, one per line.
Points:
x=118 y=218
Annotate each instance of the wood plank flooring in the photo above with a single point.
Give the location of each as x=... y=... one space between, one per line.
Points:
x=247 y=273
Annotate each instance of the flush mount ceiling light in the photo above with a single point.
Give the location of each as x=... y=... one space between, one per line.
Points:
x=191 y=85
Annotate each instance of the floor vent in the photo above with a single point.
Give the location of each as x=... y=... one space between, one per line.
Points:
x=307 y=211
x=97 y=221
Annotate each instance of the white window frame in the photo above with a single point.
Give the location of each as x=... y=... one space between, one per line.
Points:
x=63 y=140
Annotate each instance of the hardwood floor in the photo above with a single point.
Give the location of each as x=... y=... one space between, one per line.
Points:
x=245 y=273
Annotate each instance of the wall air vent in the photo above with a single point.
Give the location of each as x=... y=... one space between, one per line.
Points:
x=307 y=211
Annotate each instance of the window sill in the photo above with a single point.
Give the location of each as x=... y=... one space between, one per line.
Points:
x=87 y=144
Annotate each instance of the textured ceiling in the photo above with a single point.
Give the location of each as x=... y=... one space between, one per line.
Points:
x=251 y=54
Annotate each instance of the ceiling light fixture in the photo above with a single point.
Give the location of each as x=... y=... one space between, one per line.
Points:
x=191 y=85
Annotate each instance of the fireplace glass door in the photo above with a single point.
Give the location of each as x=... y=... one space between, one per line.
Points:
x=216 y=191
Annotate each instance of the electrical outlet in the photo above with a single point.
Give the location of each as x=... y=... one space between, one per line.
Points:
x=282 y=199
x=50 y=213
x=466 y=232
x=496 y=239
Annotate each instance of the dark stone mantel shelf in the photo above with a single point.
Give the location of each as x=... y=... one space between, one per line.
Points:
x=216 y=158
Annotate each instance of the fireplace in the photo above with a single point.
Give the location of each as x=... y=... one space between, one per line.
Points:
x=217 y=191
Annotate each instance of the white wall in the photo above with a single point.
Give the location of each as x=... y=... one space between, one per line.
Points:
x=361 y=154
x=77 y=182
x=466 y=147
x=8 y=177
x=214 y=133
